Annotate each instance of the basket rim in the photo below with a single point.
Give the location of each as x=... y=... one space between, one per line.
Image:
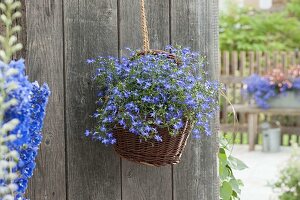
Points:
x=157 y=52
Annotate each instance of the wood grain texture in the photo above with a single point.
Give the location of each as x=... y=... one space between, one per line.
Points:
x=45 y=64
x=146 y=183
x=142 y=182
x=22 y=36
x=195 y=24
x=90 y=31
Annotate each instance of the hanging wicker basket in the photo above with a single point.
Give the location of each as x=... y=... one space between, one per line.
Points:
x=151 y=152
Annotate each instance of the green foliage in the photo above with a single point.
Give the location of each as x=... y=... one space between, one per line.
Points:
x=289 y=180
x=293 y=8
x=230 y=187
x=9 y=40
x=246 y=29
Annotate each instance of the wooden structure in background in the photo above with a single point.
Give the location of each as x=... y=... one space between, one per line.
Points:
x=253 y=114
x=61 y=35
x=235 y=67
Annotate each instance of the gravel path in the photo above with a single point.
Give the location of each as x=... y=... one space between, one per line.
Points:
x=263 y=169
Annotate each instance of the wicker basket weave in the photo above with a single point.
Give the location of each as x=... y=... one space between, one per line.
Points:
x=151 y=152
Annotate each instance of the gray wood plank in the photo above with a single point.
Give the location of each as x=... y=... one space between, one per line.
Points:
x=22 y=36
x=195 y=24
x=158 y=24
x=90 y=31
x=142 y=182
x=146 y=183
x=45 y=63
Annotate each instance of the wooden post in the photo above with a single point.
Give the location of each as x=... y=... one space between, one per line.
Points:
x=91 y=30
x=196 y=177
x=252 y=130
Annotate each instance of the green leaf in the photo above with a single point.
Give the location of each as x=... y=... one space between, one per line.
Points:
x=225 y=173
x=234 y=194
x=237 y=164
x=226 y=191
x=235 y=185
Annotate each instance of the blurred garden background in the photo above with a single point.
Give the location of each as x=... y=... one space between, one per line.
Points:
x=261 y=37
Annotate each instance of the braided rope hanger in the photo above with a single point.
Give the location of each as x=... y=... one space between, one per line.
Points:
x=146 y=41
x=144 y=27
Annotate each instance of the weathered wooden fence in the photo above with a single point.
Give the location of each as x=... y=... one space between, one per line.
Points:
x=61 y=35
x=236 y=66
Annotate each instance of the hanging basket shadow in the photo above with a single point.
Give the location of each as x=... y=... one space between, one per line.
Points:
x=152 y=152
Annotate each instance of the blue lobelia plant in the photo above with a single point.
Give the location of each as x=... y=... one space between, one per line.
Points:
x=263 y=88
x=142 y=93
x=22 y=110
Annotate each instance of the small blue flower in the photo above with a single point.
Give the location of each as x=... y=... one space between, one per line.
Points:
x=146 y=99
x=87 y=133
x=103 y=129
x=122 y=122
x=178 y=125
x=100 y=94
x=158 y=138
x=158 y=121
x=109 y=135
x=90 y=61
x=105 y=141
x=96 y=115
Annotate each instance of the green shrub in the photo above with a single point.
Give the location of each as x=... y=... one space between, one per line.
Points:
x=289 y=181
x=246 y=29
x=293 y=8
